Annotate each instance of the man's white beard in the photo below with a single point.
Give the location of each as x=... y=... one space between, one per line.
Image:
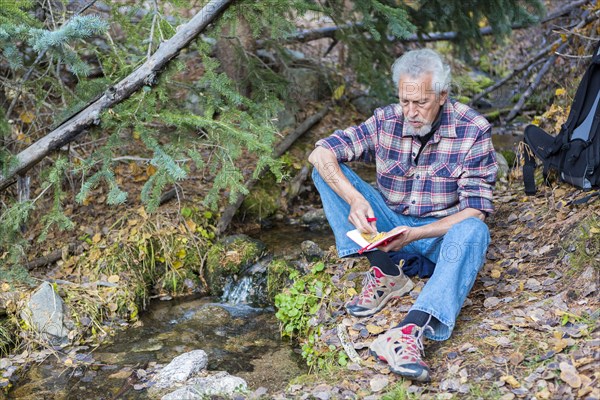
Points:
x=422 y=131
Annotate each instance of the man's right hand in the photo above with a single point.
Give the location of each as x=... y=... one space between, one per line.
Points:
x=327 y=165
x=360 y=213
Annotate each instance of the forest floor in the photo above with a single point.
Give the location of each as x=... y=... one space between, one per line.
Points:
x=529 y=329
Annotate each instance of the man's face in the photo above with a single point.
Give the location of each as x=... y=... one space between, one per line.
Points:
x=419 y=102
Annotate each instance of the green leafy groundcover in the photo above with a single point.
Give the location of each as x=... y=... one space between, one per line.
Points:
x=306 y=309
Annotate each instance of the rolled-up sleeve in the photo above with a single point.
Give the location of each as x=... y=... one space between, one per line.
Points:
x=354 y=143
x=476 y=183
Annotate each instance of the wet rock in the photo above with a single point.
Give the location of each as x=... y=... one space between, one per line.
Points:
x=181 y=369
x=219 y=384
x=228 y=258
x=44 y=312
x=311 y=250
x=315 y=219
x=212 y=315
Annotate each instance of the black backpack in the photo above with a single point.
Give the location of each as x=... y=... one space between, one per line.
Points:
x=575 y=152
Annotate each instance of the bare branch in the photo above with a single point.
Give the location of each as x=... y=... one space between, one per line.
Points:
x=144 y=75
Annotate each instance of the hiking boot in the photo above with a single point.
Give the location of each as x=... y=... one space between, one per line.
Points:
x=401 y=348
x=378 y=289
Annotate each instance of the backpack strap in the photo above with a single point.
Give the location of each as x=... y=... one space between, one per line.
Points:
x=529 y=172
x=585 y=199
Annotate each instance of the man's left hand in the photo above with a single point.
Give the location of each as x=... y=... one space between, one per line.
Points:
x=400 y=241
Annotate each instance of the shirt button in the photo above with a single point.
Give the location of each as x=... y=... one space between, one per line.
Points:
x=418 y=176
x=413 y=202
x=414 y=154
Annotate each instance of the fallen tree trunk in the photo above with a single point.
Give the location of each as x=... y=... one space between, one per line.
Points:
x=281 y=148
x=53 y=257
x=146 y=74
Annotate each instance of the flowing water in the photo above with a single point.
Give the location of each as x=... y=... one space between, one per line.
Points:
x=237 y=338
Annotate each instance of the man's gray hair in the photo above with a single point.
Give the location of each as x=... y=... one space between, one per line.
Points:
x=415 y=63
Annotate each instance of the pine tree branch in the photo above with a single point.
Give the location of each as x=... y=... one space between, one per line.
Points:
x=331 y=32
x=36 y=62
x=279 y=150
x=146 y=74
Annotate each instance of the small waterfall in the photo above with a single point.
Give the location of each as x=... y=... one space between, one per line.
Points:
x=250 y=286
x=238 y=292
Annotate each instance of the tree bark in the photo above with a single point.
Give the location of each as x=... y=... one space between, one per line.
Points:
x=146 y=74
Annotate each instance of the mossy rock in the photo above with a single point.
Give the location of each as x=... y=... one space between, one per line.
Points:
x=261 y=203
x=228 y=257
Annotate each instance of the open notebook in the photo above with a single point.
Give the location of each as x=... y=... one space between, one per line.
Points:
x=380 y=240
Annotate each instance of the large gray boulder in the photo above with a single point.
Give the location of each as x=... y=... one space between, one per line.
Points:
x=219 y=384
x=45 y=314
x=182 y=368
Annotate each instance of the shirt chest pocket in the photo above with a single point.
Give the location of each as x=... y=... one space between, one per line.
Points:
x=445 y=171
x=394 y=168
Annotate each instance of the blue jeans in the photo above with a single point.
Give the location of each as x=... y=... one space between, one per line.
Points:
x=459 y=254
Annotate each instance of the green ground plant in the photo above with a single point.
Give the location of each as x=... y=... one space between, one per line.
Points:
x=298 y=307
x=587 y=247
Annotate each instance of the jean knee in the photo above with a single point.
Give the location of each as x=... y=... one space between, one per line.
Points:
x=472 y=229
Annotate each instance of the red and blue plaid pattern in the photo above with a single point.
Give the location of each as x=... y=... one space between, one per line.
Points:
x=456 y=170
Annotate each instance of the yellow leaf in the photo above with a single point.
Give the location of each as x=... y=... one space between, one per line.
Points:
x=97 y=237
x=594 y=230
x=374 y=329
x=27 y=117
x=142 y=212
x=351 y=292
x=113 y=307
x=177 y=264
x=150 y=170
x=68 y=362
x=136 y=135
x=191 y=225
x=559 y=345
x=339 y=92
x=491 y=340
x=536 y=120
x=500 y=327
x=181 y=253
x=511 y=381
x=559 y=92
x=113 y=279
x=496 y=273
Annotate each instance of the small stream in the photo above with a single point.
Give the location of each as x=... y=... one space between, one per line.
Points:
x=237 y=338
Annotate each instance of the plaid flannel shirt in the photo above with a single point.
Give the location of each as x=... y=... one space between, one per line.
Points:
x=456 y=169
